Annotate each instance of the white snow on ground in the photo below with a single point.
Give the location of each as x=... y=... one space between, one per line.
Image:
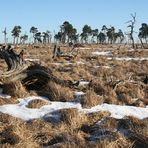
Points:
x=102 y=66
x=79 y=93
x=32 y=60
x=103 y=53
x=70 y=63
x=4 y=95
x=83 y=48
x=138 y=50
x=120 y=111
x=83 y=83
x=127 y=59
x=80 y=62
x=20 y=110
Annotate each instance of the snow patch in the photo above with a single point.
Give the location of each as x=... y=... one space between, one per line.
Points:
x=79 y=93
x=32 y=60
x=103 y=66
x=20 y=110
x=118 y=111
x=127 y=59
x=83 y=83
x=80 y=62
x=105 y=53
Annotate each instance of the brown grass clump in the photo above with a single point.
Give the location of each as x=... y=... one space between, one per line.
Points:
x=98 y=87
x=91 y=99
x=37 y=103
x=109 y=123
x=96 y=117
x=42 y=132
x=130 y=89
x=111 y=97
x=56 y=92
x=15 y=89
x=67 y=139
x=7 y=101
x=73 y=118
x=117 y=142
x=127 y=92
x=136 y=129
x=7 y=135
x=14 y=133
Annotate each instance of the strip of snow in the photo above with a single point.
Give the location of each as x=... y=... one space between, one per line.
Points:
x=127 y=59
x=55 y=63
x=32 y=60
x=69 y=63
x=138 y=50
x=102 y=66
x=103 y=53
x=119 y=111
x=20 y=110
x=83 y=48
x=83 y=83
x=79 y=93
x=80 y=62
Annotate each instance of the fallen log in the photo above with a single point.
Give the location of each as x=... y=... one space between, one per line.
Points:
x=32 y=75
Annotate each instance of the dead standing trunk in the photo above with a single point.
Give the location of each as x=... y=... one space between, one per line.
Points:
x=131 y=26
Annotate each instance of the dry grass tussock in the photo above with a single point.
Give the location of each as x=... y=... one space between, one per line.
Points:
x=119 y=142
x=56 y=92
x=14 y=133
x=15 y=89
x=91 y=99
x=37 y=103
x=137 y=130
x=8 y=101
x=72 y=117
x=36 y=133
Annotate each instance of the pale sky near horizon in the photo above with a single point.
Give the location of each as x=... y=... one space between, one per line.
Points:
x=50 y=14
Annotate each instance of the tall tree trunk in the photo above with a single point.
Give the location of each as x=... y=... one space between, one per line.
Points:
x=133 y=43
x=141 y=43
x=14 y=40
x=5 y=39
x=17 y=40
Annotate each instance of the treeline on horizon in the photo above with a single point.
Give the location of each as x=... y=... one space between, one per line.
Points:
x=67 y=33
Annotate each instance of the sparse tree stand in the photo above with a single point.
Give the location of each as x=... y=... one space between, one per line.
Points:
x=131 y=26
x=32 y=75
x=16 y=33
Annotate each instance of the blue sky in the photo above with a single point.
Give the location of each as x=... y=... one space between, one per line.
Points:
x=50 y=14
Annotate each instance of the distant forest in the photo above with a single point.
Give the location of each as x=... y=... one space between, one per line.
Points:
x=68 y=34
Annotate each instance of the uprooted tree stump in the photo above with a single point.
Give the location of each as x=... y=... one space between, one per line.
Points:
x=32 y=76
x=57 y=53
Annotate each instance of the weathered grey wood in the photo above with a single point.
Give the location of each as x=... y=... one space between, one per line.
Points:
x=28 y=72
x=58 y=53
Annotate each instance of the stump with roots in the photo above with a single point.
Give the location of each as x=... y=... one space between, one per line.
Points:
x=32 y=76
x=57 y=53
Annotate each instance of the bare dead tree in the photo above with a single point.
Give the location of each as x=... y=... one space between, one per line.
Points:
x=131 y=26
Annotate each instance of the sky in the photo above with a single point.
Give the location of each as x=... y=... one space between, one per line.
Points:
x=50 y=14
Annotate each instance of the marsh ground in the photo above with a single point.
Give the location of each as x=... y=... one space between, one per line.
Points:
x=108 y=75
